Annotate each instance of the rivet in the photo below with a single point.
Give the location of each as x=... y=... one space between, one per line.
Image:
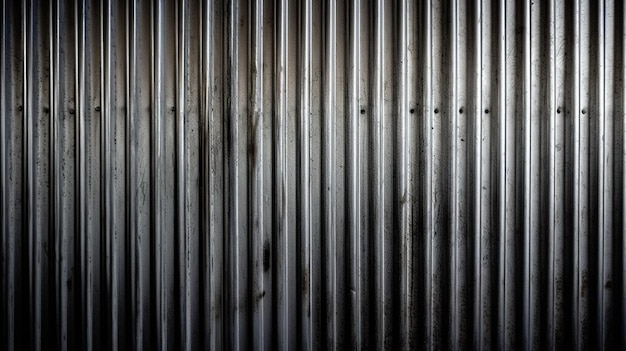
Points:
x=436 y=110
x=98 y=108
x=412 y=110
x=558 y=110
x=362 y=111
x=584 y=111
x=72 y=111
x=486 y=110
x=461 y=110
x=20 y=108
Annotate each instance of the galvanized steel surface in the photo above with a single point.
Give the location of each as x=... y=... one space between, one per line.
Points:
x=441 y=174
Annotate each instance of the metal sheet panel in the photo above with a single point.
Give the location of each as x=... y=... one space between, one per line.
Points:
x=441 y=174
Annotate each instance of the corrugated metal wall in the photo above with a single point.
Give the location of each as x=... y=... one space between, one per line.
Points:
x=441 y=174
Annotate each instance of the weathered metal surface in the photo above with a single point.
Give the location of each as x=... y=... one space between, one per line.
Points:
x=441 y=174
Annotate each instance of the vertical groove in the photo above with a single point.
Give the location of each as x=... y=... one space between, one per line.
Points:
x=622 y=179
x=502 y=200
x=8 y=242
x=478 y=147
x=205 y=175
x=477 y=191
x=205 y=182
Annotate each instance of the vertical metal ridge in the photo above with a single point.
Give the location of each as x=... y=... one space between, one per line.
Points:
x=213 y=247
x=232 y=80
x=533 y=134
x=455 y=297
x=330 y=182
x=562 y=198
x=379 y=232
x=477 y=229
x=160 y=309
x=34 y=266
x=111 y=286
x=237 y=211
x=576 y=115
x=604 y=196
x=552 y=178
x=527 y=211
x=181 y=180
x=205 y=176
x=354 y=186
x=86 y=315
x=261 y=240
x=285 y=329
x=405 y=190
x=428 y=225
x=134 y=240
x=307 y=308
x=56 y=205
x=587 y=215
x=216 y=261
x=439 y=183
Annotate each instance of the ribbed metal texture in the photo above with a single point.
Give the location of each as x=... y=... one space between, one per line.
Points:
x=256 y=174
